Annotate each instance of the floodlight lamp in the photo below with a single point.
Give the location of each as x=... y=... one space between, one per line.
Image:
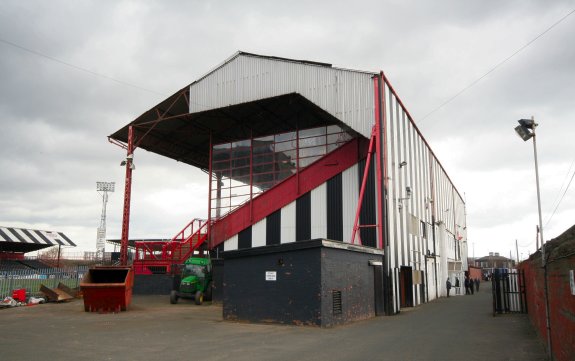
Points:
x=523 y=132
x=123 y=163
x=527 y=123
x=408 y=191
x=402 y=164
x=105 y=186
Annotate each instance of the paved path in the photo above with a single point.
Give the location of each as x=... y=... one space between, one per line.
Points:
x=457 y=328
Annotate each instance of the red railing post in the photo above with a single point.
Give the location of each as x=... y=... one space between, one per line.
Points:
x=127 y=196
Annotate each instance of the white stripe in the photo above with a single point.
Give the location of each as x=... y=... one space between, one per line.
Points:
x=231 y=244
x=23 y=235
x=288 y=223
x=11 y=237
x=350 y=188
x=319 y=212
x=53 y=236
x=259 y=233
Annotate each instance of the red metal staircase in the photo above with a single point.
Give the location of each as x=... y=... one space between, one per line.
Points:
x=159 y=256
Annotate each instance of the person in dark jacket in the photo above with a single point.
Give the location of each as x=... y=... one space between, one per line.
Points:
x=471 y=288
x=448 y=286
x=466 y=282
x=477 y=285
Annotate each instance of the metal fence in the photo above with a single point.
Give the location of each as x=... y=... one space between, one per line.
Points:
x=32 y=279
x=508 y=289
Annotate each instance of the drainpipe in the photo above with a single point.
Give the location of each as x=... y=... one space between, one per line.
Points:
x=382 y=196
x=433 y=227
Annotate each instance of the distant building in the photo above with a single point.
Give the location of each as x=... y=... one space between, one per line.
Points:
x=494 y=260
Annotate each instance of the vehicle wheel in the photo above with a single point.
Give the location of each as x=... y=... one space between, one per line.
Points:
x=209 y=292
x=199 y=298
x=174 y=297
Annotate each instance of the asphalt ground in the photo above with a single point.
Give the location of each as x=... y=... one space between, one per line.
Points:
x=455 y=328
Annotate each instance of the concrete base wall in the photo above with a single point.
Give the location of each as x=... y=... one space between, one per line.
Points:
x=315 y=283
x=152 y=284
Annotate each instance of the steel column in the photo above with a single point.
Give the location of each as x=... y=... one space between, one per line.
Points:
x=210 y=194
x=362 y=190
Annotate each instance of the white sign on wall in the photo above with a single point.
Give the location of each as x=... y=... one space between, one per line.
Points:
x=572 y=281
x=271 y=276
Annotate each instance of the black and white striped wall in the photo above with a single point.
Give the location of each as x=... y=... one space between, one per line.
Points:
x=326 y=212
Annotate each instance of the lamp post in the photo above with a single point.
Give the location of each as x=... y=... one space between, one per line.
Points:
x=526 y=130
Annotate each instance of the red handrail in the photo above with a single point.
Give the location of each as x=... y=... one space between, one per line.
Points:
x=166 y=253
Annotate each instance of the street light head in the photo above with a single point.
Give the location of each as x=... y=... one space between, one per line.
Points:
x=524 y=132
x=527 y=123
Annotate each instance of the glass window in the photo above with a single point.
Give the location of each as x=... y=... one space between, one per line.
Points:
x=264 y=162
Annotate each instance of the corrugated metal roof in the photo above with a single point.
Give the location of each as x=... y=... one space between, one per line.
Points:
x=26 y=240
x=257 y=95
x=345 y=94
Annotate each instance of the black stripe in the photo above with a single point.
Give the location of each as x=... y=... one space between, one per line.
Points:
x=303 y=217
x=13 y=231
x=67 y=239
x=5 y=236
x=367 y=213
x=41 y=235
x=27 y=233
x=273 y=228
x=245 y=238
x=59 y=241
x=335 y=208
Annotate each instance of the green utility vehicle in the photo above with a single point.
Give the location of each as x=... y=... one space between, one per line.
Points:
x=194 y=281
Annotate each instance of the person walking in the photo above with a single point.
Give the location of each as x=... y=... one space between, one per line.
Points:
x=477 y=285
x=471 y=288
x=448 y=286
x=466 y=282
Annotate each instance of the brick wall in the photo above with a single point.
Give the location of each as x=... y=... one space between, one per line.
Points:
x=560 y=260
x=475 y=272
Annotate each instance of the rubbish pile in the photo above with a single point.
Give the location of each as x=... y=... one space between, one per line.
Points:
x=19 y=299
x=59 y=294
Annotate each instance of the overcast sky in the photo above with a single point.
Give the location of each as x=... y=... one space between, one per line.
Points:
x=55 y=117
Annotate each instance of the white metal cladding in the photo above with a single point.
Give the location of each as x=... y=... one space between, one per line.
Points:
x=259 y=233
x=287 y=233
x=345 y=94
x=319 y=212
x=231 y=244
x=431 y=191
x=350 y=187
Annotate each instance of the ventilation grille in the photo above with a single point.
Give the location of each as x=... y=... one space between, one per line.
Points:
x=336 y=295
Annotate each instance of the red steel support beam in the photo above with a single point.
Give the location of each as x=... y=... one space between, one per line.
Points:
x=127 y=195
x=362 y=191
